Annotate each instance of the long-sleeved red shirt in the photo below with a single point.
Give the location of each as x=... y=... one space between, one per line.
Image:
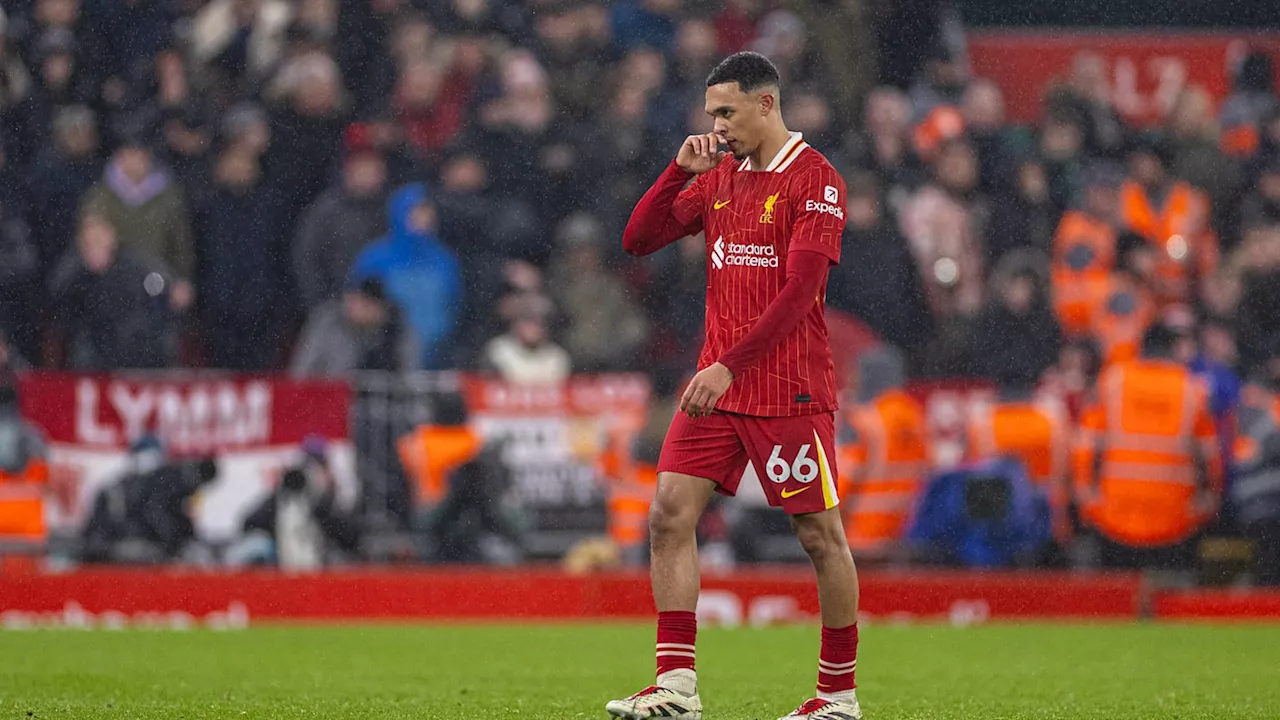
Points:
x=771 y=237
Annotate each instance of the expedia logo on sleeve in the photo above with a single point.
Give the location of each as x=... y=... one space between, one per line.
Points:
x=830 y=203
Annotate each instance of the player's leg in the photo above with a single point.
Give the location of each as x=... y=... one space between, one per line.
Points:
x=798 y=458
x=698 y=458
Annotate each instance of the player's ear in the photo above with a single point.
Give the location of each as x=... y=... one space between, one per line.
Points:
x=768 y=99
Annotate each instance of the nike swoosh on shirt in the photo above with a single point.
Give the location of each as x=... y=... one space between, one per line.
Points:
x=788 y=493
x=721 y=203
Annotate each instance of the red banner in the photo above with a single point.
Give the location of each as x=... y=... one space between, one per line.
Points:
x=756 y=597
x=191 y=413
x=252 y=425
x=1234 y=604
x=1144 y=71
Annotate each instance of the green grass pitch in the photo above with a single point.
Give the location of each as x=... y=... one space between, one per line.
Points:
x=559 y=672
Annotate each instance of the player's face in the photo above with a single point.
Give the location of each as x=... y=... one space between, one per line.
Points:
x=739 y=117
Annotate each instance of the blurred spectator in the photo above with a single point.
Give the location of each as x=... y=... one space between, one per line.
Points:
x=1196 y=157
x=1061 y=148
x=60 y=81
x=1085 y=250
x=341 y=221
x=883 y=454
x=1252 y=100
x=24 y=473
x=241 y=273
x=644 y=22
x=430 y=102
x=147 y=212
x=525 y=354
x=1254 y=268
x=605 y=326
x=365 y=29
x=993 y=142
x=1261 y=208
x=572 y=41
x=878 y=281
x=111 y=303
x=1086 y=98
x=1148 y=473
x=310 y=112
x=239 y=40
x=301 y=520
x=246 y=124
x=421 y=275
x=1017 y=335
x=1173 y=217
x=942 y=81
x=781 y=36
x=361 y=330
x=146 y=515
x=63 y=172
x=1255 y=495
x=944 y=227
x=1025 y=217
x=883 y=146
x=19 y=279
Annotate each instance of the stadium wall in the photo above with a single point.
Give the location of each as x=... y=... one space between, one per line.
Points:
x=122 y=597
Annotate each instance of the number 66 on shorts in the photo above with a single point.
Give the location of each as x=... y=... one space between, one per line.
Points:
x=793 y=457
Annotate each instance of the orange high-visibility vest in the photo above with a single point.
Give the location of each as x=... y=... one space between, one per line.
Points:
x=1186 y=246
x=886 y=465
x=1136 y=471
x=22 y=503
x=1084 y=254
x=1034 y=433
x=431 y=452
x=629 y=500
x=1123 y=311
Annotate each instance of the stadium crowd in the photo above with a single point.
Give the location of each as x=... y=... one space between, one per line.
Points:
x=327 y=186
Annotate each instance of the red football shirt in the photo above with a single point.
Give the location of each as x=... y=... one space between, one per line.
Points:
x=752 y=220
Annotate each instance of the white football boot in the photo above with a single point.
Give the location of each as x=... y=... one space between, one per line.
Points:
x=822 y=709
x=657 y=702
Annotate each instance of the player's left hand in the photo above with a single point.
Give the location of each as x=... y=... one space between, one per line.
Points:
x=705 y=390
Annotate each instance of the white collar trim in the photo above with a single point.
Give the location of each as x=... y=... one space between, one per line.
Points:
x=774 y=164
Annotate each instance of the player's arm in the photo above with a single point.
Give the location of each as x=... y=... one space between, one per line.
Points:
x=669 y=210
x=818 y=198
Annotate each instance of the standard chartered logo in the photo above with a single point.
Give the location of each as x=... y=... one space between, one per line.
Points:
x=723 y=254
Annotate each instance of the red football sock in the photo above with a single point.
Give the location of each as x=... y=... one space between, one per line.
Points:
x=838 y=659
x=677 y=633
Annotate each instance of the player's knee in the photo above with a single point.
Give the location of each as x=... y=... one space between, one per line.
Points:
x=820 y=540
x=669 y=519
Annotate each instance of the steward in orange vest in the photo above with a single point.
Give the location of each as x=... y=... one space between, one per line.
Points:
x=1174 y=218
x=1034 y=431
x=24 y=476
x=1148 y=472
x=1084 y=252
x=884 y=456
x=1123 y=308
x=431 y=452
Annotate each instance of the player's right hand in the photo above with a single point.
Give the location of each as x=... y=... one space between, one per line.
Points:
x=700 y=153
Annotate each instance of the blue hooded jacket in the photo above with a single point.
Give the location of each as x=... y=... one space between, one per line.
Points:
x=421 y=275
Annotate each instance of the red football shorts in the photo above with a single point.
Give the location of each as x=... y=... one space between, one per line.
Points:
x=793 y=457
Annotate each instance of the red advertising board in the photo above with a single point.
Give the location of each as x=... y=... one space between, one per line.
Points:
x=755 y=597
x=1144 y=71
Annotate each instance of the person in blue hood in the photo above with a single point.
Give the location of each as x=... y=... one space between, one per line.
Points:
x=420 y=274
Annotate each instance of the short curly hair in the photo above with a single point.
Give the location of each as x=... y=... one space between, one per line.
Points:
x=750 y=70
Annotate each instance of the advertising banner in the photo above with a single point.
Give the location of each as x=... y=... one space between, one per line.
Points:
x=1144 y=72
x=252 y=426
